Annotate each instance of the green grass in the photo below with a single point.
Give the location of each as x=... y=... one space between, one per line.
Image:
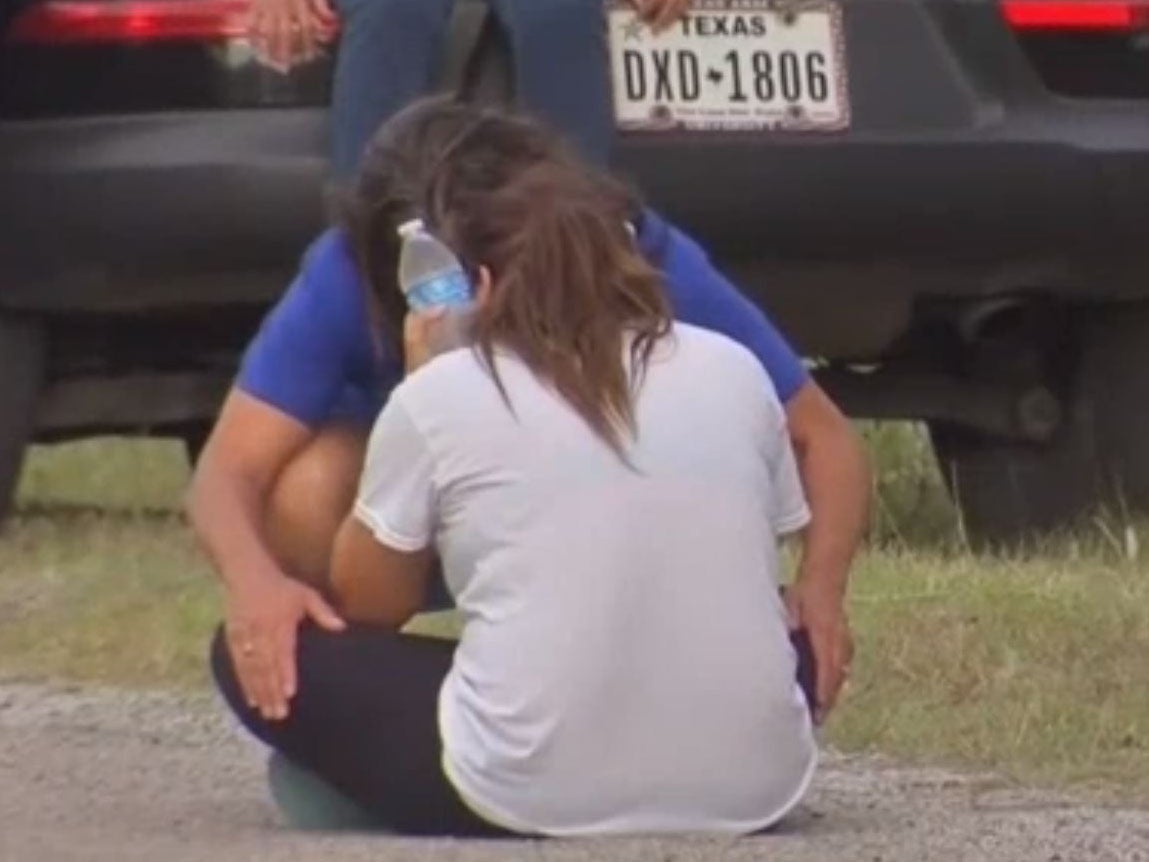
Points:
x=122 y=598
x=1034 y=667
x=115 y=476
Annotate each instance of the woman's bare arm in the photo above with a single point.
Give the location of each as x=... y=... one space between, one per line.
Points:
x=375 y=584
x=227 y=505
x=836 y=477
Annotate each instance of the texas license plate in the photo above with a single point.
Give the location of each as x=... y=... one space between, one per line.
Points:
x=735 y=65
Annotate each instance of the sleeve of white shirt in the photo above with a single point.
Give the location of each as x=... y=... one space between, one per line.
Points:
x=397 y=499
x=791 y=511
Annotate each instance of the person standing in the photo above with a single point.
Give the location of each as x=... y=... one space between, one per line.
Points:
x=390 y=49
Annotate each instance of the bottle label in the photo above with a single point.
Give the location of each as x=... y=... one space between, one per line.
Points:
x=449 y=289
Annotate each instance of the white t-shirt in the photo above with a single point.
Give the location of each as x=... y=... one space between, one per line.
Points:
x=625 y=664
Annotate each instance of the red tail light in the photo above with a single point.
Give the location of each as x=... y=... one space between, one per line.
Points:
x=63 y=22
x=1103 y=15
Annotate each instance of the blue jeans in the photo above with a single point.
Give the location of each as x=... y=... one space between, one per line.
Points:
x=391 y=49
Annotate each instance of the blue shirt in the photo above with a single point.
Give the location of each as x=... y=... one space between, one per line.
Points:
x=314 y=357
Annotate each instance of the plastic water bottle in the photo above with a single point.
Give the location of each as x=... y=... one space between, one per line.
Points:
x=430 y=274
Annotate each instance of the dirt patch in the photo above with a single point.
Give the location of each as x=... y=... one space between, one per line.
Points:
x=91 y=774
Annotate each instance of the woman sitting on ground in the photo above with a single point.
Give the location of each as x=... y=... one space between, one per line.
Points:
x=604 y=489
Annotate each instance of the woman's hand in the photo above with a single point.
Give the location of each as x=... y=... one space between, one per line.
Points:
x=288 y=33
x=424 y=336
x=819 y=610
x=428 y=333
x=263 y=616
x=661 y=14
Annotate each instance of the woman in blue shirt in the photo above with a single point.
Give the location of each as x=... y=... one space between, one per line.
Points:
x=278 y=475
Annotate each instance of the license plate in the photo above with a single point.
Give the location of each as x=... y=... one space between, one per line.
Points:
x=733 y=65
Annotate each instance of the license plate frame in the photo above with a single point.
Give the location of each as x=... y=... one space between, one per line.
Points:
x=635 y=52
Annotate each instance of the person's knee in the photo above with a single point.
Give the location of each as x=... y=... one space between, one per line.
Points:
x=310 y=501
x=223 y=671
x=227 y=683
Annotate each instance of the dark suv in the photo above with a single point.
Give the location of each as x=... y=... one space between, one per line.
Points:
x=959 y=238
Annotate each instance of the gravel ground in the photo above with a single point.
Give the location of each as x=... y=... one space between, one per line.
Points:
x=105 y=775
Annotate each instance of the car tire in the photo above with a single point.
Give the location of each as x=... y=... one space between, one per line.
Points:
x=1010 y=492
x=22 y=365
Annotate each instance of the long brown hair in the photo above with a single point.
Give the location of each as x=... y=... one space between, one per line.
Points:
x=571 y=290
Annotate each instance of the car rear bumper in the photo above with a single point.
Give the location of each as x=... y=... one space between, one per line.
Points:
x=157 y=210
x=1054 y=200
x=844 y=240
x=169 y=210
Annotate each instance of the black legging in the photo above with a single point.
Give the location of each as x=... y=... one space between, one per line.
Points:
x=365 y=720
